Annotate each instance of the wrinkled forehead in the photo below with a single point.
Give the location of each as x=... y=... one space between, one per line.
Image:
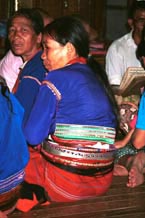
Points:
x=21 y=19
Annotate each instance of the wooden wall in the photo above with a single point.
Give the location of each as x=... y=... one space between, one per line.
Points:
x=91 y=10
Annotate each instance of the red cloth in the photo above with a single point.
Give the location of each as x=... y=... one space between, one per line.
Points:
x=61 y=185
x=34 y=174
x=25 y=205
x=64 y=186
x=132 y=123
x=15 y=87
x=35 y=168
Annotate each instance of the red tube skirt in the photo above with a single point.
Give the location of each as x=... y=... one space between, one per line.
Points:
x=64 y=186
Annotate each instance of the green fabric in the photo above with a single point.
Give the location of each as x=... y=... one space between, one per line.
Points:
x=93 y=133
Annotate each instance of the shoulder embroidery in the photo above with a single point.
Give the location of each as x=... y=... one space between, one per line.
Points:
x=53 y=89
x=33 y=78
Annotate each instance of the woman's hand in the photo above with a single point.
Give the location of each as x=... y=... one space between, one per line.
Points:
x=120 y=144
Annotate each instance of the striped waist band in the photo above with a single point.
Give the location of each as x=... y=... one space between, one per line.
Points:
x=85 y=132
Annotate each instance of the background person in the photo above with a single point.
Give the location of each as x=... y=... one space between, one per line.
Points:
x=134 y=167
x=11 y=63
x=122 y=52
x=25 y=34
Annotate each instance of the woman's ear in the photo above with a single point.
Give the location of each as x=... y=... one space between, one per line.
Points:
x=71 y=51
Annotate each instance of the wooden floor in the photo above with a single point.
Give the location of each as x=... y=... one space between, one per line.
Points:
x=119 y=202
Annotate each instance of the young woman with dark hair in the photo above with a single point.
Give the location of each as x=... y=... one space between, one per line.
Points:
x=74 y=117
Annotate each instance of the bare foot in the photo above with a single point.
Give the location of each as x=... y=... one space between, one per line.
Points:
x=129 y=162
x=135 y=177
x=120 y=170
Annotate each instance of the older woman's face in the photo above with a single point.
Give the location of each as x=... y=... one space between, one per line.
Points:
x=23 y=39
x=54 y=55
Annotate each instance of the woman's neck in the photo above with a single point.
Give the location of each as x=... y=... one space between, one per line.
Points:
x=30 y=55
x=77 y=59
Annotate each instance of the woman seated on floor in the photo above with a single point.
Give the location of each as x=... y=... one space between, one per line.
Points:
x=13 y=150
x=74 y=117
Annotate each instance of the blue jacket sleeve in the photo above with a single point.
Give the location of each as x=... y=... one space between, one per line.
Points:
x=42 y=118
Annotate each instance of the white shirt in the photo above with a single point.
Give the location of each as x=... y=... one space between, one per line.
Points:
x=121 y=55
x=10 y=68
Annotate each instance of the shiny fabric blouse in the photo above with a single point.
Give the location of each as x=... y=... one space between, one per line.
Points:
x=83 y=101
x=30 y=79
x=13 y=146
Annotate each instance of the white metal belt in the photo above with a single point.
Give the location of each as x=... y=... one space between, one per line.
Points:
x=56 y=149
